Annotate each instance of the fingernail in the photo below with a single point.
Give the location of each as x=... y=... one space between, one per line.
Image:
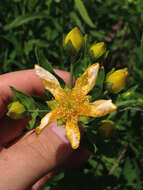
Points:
x=59 y=131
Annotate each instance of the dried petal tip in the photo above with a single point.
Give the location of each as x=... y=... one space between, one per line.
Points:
x=92 y=75
x=36 y=65
x=75 y=141
x=113 y=106
x=75 y=146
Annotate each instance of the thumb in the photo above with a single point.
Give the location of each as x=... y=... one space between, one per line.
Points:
x=32 y=157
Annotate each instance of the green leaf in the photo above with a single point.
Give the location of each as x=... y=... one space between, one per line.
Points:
x=28 y=46
x=42 y=60
x=77 y=20
x=24 y=19
x=29 y=104
x=101 y=77
x=33 y=119
x=24 y=99
x=83 y=12
x=132 y=173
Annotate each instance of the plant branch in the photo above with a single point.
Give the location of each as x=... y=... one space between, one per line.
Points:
x=121 y=155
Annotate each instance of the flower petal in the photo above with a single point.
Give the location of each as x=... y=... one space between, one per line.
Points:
x=47 y=119
x=86 y=81
x=98 y=108
x=73 y=133
x=49 y=81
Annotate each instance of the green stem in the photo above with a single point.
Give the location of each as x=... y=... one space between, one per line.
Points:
x=126 y=102
x=71 y=74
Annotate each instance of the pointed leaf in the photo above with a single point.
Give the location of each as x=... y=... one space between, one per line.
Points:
x=20 y=20
x=83 y=12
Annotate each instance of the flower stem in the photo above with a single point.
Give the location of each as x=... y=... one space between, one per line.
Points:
x=71 y=74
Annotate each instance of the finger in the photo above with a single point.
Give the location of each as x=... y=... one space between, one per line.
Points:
x=28 y=160
x=64 y=75
x=41 y=182
x=10 y=128
x=25 y=81
x=1 y=148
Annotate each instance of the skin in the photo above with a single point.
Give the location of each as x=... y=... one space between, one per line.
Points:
x=29 y=161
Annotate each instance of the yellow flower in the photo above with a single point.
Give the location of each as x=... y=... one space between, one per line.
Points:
x=73 y=41
x=107 y=128
x=98 y=49
x=71 y=104
x=118 y=80
x=16 y=110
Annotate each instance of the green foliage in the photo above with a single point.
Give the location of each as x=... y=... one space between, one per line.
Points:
x=83 y=12
x=31 y=106
x=31 y=32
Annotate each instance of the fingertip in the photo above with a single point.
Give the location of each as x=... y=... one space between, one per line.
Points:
x=64 y=75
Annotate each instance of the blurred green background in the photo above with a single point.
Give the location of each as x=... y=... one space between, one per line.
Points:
x=28 y=25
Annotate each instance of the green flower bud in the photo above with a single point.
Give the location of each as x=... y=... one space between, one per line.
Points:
x=97 y=49
x=107 y=128
x=140 y=100
x=16 y=110
x=117 y=80
x=73 y=41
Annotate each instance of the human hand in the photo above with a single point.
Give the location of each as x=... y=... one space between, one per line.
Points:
x=32 y=158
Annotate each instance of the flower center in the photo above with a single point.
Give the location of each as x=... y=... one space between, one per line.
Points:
x=68 y=106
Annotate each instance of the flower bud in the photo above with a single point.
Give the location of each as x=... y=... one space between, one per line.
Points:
x=107 y=128
x=117 y=80
x=16 y=110
x=97 y=49
x=73 y=41
x=140 y=100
